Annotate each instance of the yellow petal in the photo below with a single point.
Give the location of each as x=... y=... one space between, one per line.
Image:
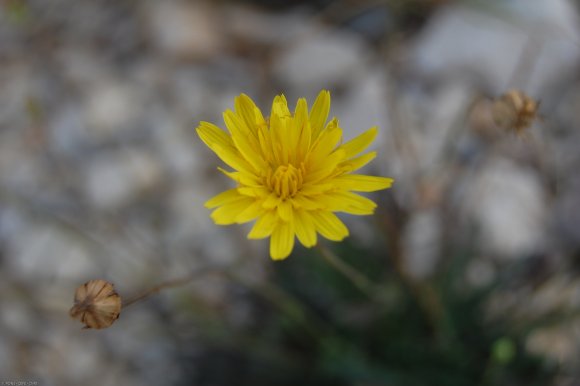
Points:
x=319 y=113
x=250 y=213
x=222 y=144
x=303 y=145
x=328 y=225
x=285 y=210
x=297 y=130
x=326 y=168
x=282 y=241
x=254 y=149
x=362 y=183
x=305 y=229
x=263 y=226
x=223 y=198
x=280 y=138
x=305 y=202
x=243 y=178
x=226 y=214
x=325 y=143
x=313 y=189
x=357 y=162
x=280 y=107
x=243 y=140
x=249 y=113
x=254 y=191
x=348 y=202
x=272 y=201
x=359 y=143
x=265 y=139
x=210 y=134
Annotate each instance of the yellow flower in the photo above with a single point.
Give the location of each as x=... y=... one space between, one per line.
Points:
x=291 y=171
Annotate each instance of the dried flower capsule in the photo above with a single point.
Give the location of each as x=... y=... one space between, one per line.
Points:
x=514 y=110
x=97 y=304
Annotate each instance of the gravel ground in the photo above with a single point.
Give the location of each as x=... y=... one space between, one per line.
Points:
x=103 y=176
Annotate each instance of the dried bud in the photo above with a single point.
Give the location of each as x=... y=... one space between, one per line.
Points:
x=97 y=304
x=514 y=110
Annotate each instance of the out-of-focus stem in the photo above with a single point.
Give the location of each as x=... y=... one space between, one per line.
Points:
x=355 y=277
x=425 y=296
x=286 y=303
x=168 y=284
x=275 y=295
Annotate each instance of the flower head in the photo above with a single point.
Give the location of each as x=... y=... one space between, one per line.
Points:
x=97 y=304
x=292 y=172
x=515 y=111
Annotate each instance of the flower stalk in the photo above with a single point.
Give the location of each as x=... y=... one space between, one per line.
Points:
x=359 y=280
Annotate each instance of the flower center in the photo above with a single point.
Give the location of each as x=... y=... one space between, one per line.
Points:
x=286 y=181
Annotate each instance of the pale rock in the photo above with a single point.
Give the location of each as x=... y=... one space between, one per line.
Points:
x=461 y=41
x=558 y=343
x=187 y=209
x=46 y=252
x=443 y=121
x=19 y=83
x=17 y=316
x=186 y=30
x=398 y=154
x=20 y=169
x=557 y=294
x=8 y=360
x=191 y=225
x=112 y=107
x=415 y=131
x=553 y=27
x=82 y=66
x=129 y=262
x=67 y=132
x=558 y=17
x=257 y=26
x=12 y=221
x=191 y=91
x=56 y=298
x=174 y=130
x=489 y=43
x=363 y=107
x=558 y=59
x=176 y=146
x=113 y=179
x=320 y=59
x=509 y=205
x=432 y=121
x=63 y=356
x=421 y=243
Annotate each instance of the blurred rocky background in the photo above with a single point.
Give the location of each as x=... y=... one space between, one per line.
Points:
x=103 y=176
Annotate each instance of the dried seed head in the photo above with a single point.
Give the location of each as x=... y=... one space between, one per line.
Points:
x=515 y=111
x=97 y=304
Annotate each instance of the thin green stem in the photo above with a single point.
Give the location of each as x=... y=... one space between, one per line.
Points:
x=286 y=303
x=169 y=284
x=359 y=280
x=291 y=307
